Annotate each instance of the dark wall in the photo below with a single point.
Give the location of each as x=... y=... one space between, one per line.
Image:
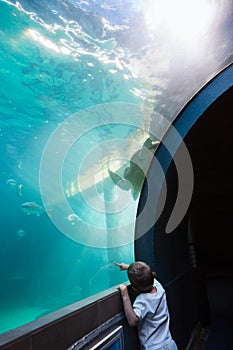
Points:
x=210 y=145
x=185 y=291
x=181 y=266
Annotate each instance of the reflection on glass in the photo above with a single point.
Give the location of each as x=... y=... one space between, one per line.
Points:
x=88 y=89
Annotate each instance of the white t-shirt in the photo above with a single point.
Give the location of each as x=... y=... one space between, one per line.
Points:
x=153 y=324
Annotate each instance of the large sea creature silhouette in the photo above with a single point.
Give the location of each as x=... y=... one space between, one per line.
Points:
x=134 y=174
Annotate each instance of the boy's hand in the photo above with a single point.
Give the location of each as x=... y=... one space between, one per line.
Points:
x=121 y=266
x=123 y=289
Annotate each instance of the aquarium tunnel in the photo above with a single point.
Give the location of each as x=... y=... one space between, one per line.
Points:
x=116 y=145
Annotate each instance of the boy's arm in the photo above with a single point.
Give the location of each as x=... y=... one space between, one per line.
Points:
x=132 y=318
x=121 y=266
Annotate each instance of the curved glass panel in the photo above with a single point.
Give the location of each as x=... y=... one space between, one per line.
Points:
x=88 y=89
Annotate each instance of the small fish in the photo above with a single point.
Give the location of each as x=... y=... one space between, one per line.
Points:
x=11 y=182
x=20 y=233
x=73 y=218
x=32 y=208
x=15 y=186
x=20 y=190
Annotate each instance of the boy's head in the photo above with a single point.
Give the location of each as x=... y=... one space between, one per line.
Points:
x=140 y=276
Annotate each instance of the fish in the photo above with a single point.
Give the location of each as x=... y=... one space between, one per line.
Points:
x=73 y=218
x=15 y=186
x=32 y=208
x=12 y=182
x=124 y=184
x=132 y=179
x=134 y=175
x=114 y=177
x=20 y=233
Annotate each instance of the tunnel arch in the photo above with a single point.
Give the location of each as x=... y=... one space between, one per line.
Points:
x=192 y=256
x=179 y=257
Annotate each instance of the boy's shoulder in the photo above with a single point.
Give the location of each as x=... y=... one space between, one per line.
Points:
x=158 y=285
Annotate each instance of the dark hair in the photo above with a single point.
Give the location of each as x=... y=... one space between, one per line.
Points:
x=140 y=276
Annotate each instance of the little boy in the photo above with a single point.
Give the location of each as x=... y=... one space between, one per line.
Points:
x=149 y=310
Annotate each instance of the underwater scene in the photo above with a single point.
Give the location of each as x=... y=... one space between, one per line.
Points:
x=87 y=91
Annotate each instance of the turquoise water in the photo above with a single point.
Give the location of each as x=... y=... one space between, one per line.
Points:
x=56 y=60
